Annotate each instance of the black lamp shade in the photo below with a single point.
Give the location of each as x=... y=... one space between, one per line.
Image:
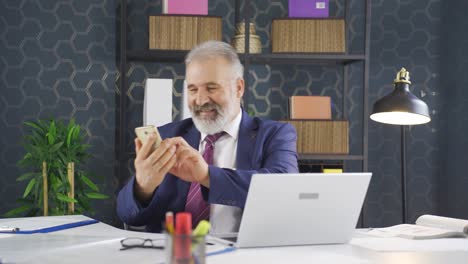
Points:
x=400 y=107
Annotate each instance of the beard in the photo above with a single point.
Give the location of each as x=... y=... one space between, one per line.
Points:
x=210 y=125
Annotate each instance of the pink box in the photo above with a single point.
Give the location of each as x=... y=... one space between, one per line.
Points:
x=185 y=7
x=309 y=8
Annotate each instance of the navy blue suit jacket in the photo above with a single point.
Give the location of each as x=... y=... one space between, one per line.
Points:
x=264 y=146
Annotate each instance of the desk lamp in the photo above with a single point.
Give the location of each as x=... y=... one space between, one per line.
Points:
x=401 y=107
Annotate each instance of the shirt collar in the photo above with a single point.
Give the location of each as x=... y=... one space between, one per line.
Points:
x=231 y=128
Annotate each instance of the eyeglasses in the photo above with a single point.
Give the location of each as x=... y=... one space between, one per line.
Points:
x=137 y=242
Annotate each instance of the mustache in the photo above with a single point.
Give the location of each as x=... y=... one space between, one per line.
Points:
x=206 y=107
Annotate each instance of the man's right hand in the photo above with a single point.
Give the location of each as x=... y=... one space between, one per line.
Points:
x=151 y=167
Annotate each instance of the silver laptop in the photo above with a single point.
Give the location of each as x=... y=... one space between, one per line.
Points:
x=302 y=209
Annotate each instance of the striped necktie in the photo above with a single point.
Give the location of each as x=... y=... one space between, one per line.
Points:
x=195 y=204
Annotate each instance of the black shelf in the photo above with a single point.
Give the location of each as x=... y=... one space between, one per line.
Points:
x=307 y=156
x=304 y=58
x=177 y=56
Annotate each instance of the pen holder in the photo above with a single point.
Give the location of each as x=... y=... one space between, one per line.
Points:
x=185 y=249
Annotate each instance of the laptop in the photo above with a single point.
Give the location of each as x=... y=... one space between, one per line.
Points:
x=302 y=209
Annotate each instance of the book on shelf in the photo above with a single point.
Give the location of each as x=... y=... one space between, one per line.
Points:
x=308 y=8
x=185 y=7
x=310 y=107
x=426 y=227
x=332 y=170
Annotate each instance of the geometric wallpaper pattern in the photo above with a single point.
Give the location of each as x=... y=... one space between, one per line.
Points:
x=405 y=34
x=58 y=59
x=454 y=85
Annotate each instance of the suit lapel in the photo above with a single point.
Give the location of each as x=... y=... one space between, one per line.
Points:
x=192 y=137
x=246 y=142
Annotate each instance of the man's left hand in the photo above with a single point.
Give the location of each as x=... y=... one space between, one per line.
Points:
x=190 y=165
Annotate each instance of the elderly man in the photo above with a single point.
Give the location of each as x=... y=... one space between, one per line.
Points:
x=205 y=163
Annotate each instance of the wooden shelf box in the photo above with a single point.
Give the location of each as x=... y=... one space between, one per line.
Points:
x=308 y=35
x=180 y=32
x=321 y=136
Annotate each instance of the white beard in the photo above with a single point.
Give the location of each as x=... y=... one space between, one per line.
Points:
x=209 y=126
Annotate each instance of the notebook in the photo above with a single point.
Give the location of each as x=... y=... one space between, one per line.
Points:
x=302 y=209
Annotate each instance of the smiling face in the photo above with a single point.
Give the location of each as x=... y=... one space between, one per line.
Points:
x=214 y=94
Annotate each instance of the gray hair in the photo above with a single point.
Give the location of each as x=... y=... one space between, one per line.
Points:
x=214 y=48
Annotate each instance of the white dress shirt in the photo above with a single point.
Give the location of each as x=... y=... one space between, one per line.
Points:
x=223 y=218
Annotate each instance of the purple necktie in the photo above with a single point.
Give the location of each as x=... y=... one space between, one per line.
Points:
x=195 y=204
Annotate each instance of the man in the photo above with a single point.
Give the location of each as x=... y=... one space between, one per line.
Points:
x=205 y=163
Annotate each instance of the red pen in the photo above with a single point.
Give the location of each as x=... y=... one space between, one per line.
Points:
x=182 y=240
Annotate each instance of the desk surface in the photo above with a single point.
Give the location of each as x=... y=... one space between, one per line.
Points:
x=101 y=243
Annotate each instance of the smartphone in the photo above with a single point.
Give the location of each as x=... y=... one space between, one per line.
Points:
x=143 y=134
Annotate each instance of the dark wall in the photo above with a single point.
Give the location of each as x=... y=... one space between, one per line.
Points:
x=405 y=34
x=454 y=84
x=58 y=58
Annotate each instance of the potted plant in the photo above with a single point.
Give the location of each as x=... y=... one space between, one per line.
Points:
x=57 y=185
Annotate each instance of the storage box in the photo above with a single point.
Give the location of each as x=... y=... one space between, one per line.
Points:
x=310 y=107
x=321 y=136
x=182 y=32
x=308 y=8
x=187 y=7
x=308 y=35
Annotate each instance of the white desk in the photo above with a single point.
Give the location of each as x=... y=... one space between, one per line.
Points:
x=100 y=243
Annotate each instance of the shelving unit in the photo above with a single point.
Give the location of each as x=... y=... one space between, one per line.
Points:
x=248 y=59
x=275 y=58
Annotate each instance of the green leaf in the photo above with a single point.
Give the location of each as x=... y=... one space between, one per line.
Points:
x=36 y=137
x=43 y=124
x=69 y=136
x=54 y=182
x=62 y=157
x=65 y=198
x=88 y=182
x=26 y=176
x=55 y=147
x=29 y=187
x=27 y=156
x=18 y=211
x=85 y=205
x=33 y=125
x=76 y=132
x=51 y=134
x=96 y=195
x=71 y=124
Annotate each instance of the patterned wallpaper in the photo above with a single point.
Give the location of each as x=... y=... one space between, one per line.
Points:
x=58 y=59
x=405 y=34
x=454 y=83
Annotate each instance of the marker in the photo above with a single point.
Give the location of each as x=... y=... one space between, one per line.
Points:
x=202 y=228
x=182 y=239
x=9 y=229
x=199 y=234
x=170 y=222
x=183 y=223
